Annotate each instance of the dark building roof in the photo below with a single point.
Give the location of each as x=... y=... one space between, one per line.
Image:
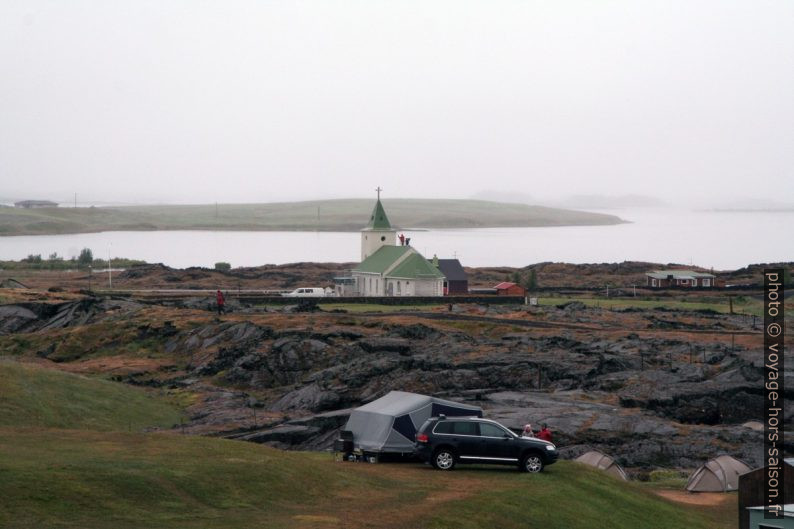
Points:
x=452 y=270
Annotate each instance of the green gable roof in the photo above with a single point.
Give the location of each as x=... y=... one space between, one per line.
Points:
x=382 y=259
x=416 y=267
x=412 y=266
x=378 y=220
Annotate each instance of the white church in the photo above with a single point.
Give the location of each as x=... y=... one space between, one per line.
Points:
x=389 y=268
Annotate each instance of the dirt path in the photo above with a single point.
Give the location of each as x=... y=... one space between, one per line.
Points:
x=696 y=498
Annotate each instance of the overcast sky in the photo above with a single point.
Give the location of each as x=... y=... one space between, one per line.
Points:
x=188 y=101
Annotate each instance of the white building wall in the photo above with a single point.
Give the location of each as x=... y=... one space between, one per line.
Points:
x=375 y=285
x=428 y=287
x=372 y=240
x=368 y=284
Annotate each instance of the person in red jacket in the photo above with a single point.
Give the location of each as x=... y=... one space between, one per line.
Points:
x=220 y=301
x=545 y=433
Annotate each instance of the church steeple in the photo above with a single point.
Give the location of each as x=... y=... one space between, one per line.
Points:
x=378 y=220
x=378 y=231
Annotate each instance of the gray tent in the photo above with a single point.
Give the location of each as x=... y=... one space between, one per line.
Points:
x=720 y=474
x=389 y=424
x=594 y=458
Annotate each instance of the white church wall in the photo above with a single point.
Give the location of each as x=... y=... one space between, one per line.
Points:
x=372 y=240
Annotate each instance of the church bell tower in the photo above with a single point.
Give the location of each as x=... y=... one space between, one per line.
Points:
x=378 y=231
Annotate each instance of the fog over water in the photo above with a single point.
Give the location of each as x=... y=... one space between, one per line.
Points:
x=720 y=240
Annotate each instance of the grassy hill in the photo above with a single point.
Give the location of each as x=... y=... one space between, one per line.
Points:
x=67 y=460
x=38 y=397
x=84 y=479
x=323 y=215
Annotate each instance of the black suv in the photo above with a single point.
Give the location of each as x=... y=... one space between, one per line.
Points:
x=443 y=442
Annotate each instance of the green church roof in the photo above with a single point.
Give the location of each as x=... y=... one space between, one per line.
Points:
x=378 y=220
x=382 y=259
x=416 y=267
x=412 y=266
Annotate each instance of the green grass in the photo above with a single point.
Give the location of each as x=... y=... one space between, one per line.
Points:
x=373 y=307
x=569 y=495
x=748 y=306
x=113 y=337
x=92 y=480
x=38 y=397
x=325 y=215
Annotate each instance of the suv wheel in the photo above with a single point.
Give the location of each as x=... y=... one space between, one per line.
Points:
x=444 y=459
x=532 y=463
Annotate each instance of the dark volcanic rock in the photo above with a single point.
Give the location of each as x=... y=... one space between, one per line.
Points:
x=374 y=345
x=417 y=331
x=310 y=397
x=14 y=318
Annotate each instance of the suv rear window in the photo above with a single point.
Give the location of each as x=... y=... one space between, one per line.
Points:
x=464 y=428
x=443 y=427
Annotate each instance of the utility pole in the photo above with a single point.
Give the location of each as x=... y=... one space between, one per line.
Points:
x=635 y=291
x=75 y=200
x=110 y=277
x=89 y=278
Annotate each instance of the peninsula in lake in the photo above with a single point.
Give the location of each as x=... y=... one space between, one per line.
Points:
x=320 y=215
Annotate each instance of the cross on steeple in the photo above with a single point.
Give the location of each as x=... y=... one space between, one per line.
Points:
x=378 y=189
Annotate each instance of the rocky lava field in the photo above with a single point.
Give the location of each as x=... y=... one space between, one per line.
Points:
x=656 y=388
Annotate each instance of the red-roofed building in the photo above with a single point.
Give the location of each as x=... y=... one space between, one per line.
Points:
x=510 y=289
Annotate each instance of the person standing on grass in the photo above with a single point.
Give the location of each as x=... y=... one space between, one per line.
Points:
x=545 y=433
x=220 y=302
x=527 y=431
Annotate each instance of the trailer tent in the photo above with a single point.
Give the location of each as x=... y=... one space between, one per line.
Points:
x=720 y=474
x=389 y=424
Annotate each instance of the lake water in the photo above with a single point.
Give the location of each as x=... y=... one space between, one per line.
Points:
x=726 y=240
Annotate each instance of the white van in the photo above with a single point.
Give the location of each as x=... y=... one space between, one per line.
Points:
x=306 y=293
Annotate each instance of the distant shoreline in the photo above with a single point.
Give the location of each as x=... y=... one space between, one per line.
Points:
x=343 y=215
